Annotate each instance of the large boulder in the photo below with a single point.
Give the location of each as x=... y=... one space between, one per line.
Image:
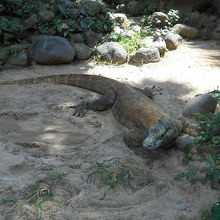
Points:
x=92 y=5
x=158 y=19
x=200 y=104
x=146 y=55
x=121 y=19
x=172 y=40
x=112 y=52
x=216 y=33
x=185 y=31
x=82 y=52
x=20 y=59
x=92 y=38
x=52 y=50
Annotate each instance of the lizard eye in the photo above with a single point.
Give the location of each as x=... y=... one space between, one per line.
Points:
x=162 y=134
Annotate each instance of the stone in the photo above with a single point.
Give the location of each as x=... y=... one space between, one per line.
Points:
x=20 y=59
x=112 y=52
x=52 y=50
x=200 y=104
x=172 y=40
x=185 y=31
x=161 y=46
x=129 y=33
x=92 y=5
x=216 y=33
x=31 y=22
x=158 y=19
x=182 y=141
x=120 y=19
x=181 y=207
x=82 y=52
x=117 y=30
x=146 y=55
x=46 y=14
x=134 y=8
x=73 y=13
x=77 y=38
x=92 y=38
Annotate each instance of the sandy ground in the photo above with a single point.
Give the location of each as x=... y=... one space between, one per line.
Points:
x=37 y=137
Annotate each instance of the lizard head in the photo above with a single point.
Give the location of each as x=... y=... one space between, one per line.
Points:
x=162 y=134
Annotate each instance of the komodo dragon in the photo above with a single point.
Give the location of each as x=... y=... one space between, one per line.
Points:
x=149 y=125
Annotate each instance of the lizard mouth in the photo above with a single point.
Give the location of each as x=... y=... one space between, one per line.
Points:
x=161 y=135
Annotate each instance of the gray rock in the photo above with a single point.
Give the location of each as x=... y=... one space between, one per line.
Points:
x=200 y=104
x=92 y=38
x=121 y=19
x=46 y=14
x=161 y=46
x=146 y=55
x=73 y=12
x=134 y=8
x=92 y=5
x=20 y=59
x=82 y=52
x=172 y=40
x=52 y=50
x=185 y=31
x=31 y=22
x=112 y=52
x=215 y=35
x=182 y=141
x=181 y=207
x=158 y=19
x=158 y=16
x=77 y=38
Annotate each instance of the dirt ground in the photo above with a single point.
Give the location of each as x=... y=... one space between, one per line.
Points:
x=38 y=137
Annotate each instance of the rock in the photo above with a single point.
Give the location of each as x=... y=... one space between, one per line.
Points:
x=185 y=31
x=82 y=52
x=158 y=19
x=207 y=22
x=121 y=19
x=92 y=5
x=20 y=59
x=200 y=104
x=117 y=30
x=77 y=38
x=216 y=33
x=151 y=42
x=172 y=40
x=3 y=55
x=31 y=22
x=73 y=12
x=92 y=38
x=52 y=50
x=205 y=34
x=112 y=52
x=181 y=207
x=134 y=8
x=46 y=14
x=182 y=141
x=146 y=55
x=161 y=46
x=129 y=33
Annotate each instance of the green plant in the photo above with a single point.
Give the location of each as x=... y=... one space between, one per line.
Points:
x=216 y=95
x=40 y=192
x=173 y=16
x=205 y=214
x=114 y=172
x=207 y=146
x=131 y=44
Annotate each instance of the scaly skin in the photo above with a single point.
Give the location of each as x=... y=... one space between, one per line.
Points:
x=149 y=125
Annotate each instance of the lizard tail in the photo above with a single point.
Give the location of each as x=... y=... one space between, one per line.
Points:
x=90 y=82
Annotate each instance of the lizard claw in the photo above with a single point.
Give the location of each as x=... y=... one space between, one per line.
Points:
x=80 y=110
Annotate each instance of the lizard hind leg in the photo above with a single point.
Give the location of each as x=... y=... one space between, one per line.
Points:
x=135 y=138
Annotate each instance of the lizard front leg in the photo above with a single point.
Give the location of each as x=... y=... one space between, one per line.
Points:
x=135 y=138
x=101 y=104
